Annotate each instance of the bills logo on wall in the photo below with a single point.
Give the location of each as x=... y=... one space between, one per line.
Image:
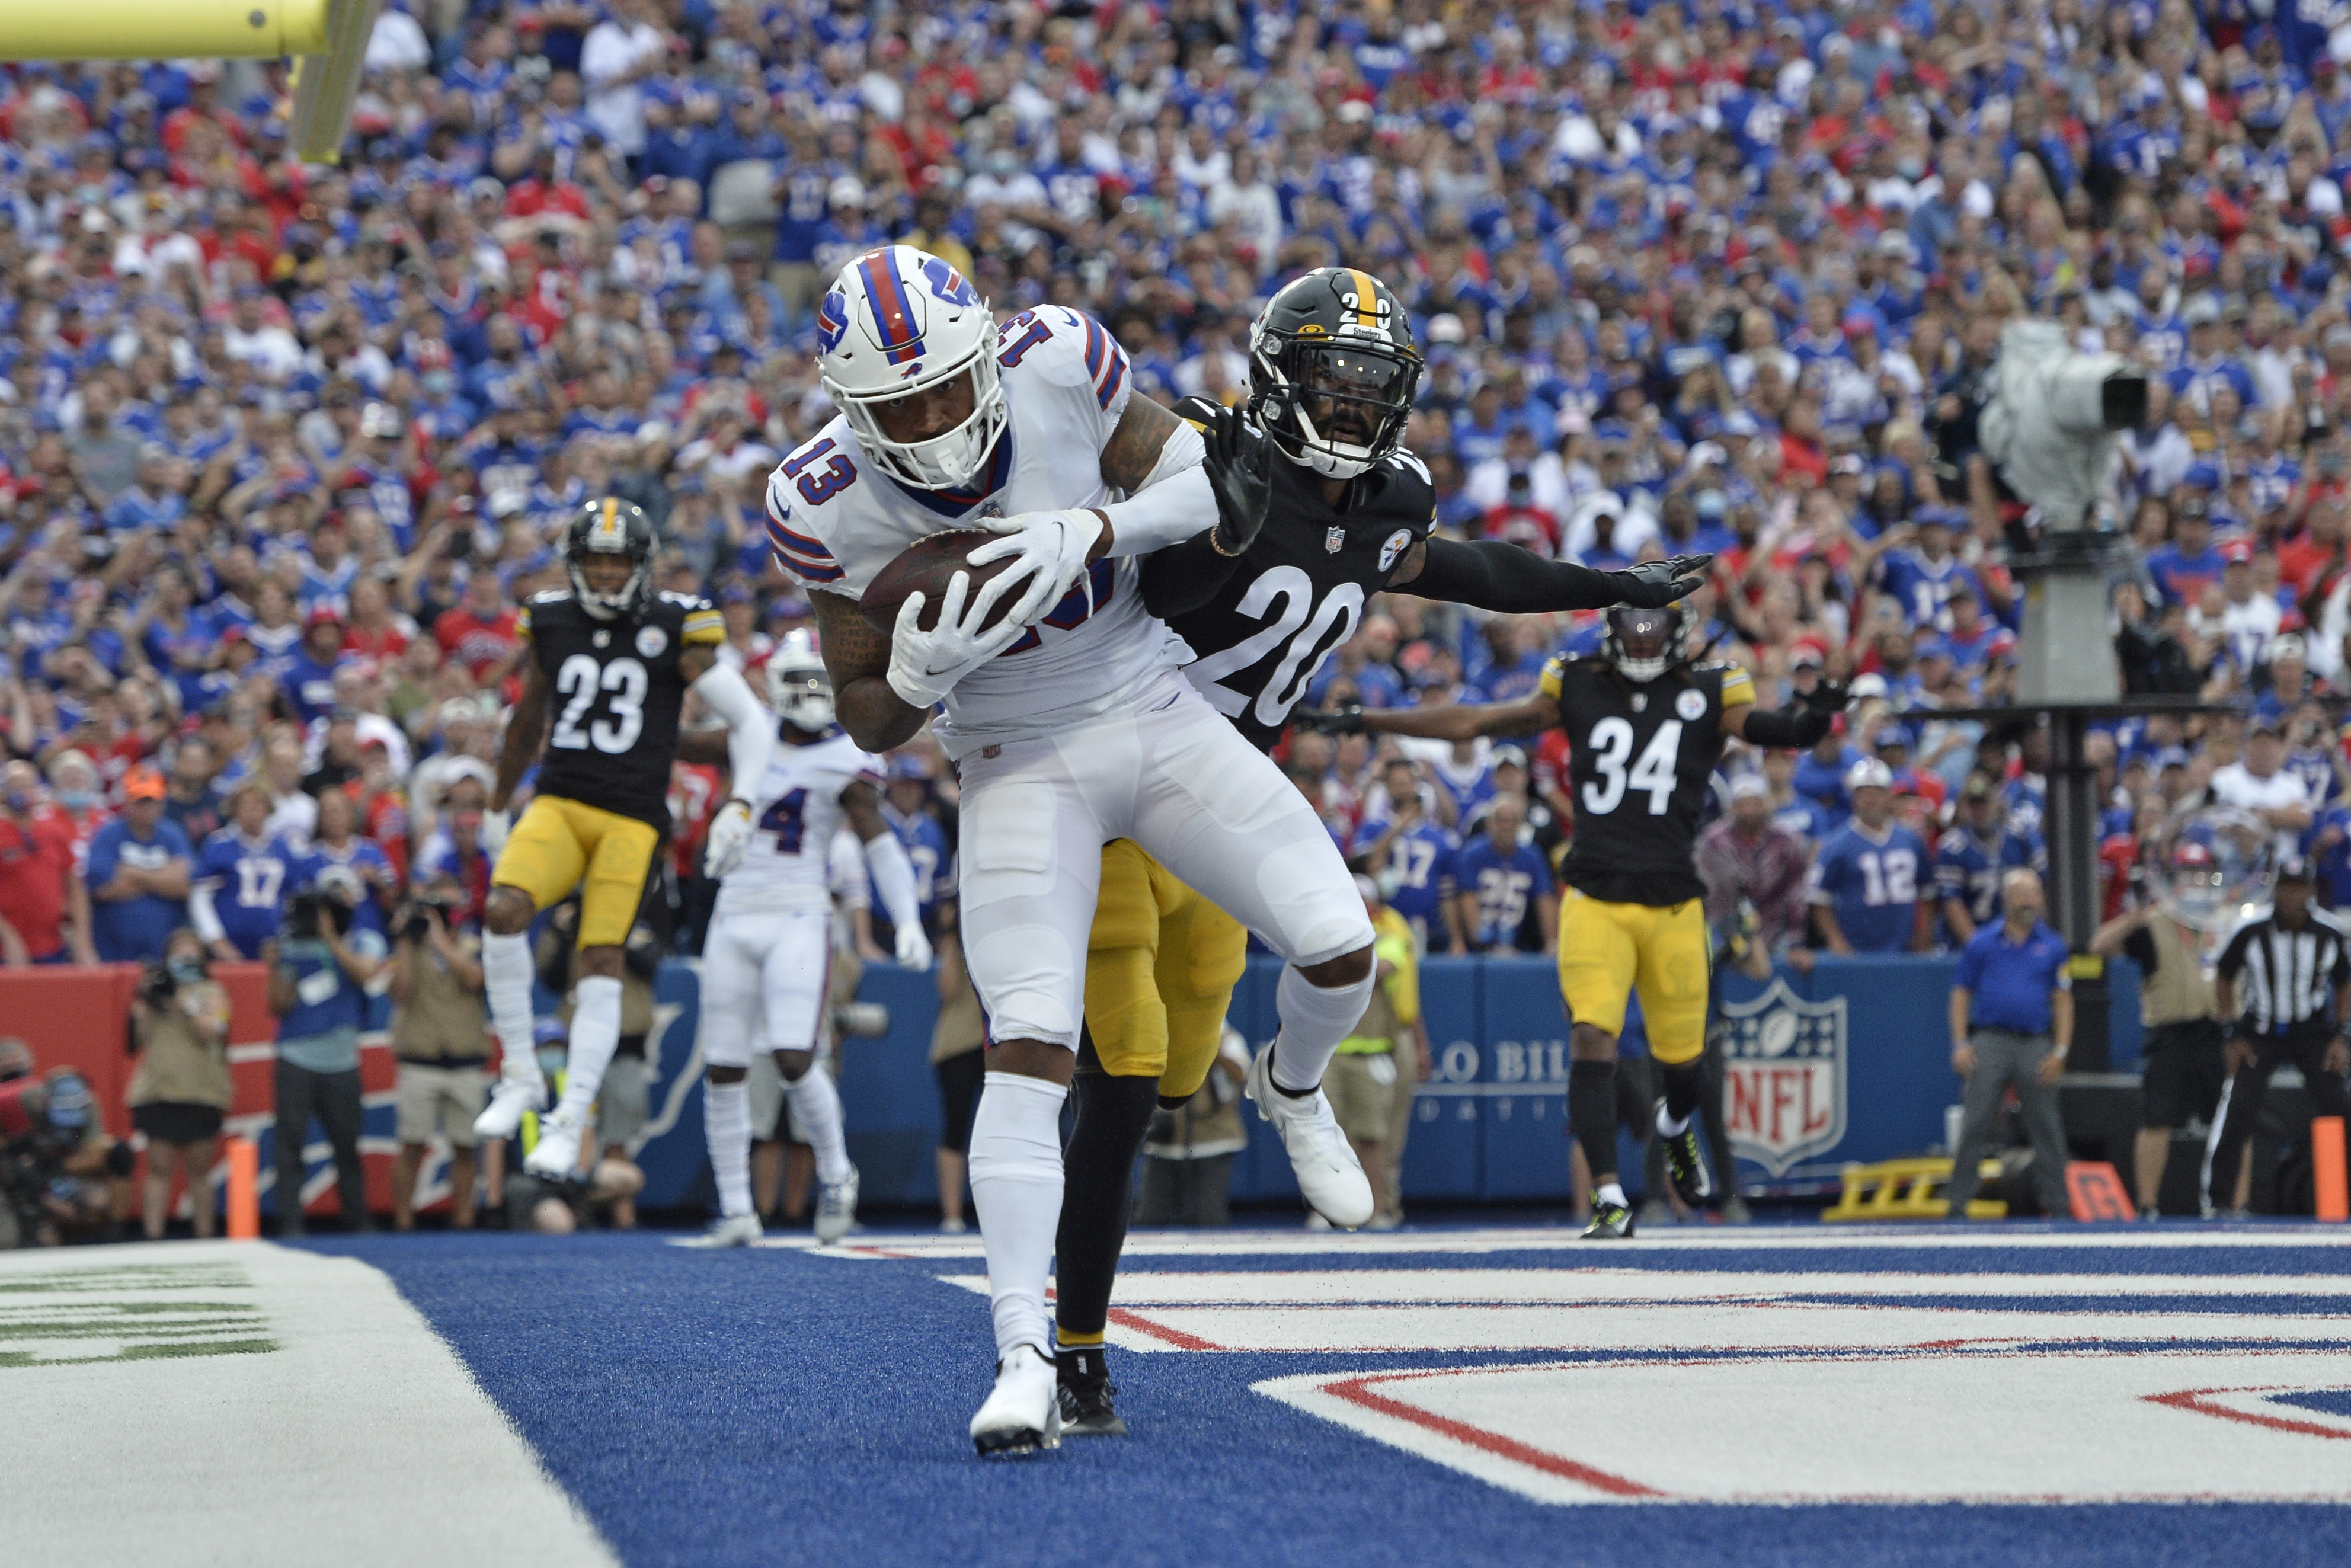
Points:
x=1783 y=1077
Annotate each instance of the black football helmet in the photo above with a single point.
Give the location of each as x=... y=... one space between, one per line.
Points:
x=611 y=526
x=1333 y=370
x=1645 y=643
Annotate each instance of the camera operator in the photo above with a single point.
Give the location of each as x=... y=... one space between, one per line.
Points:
x=57 y=1166
x=182 y=1088
x=318 y=968
x=440 y=1032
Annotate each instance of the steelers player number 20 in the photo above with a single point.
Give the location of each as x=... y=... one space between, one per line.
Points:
x=1654 y=773
x=1312 y=630
x=579 y=680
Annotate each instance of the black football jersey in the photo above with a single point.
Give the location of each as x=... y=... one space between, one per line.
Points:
x=1301 y=589
x=1640 y=761
x=616 y=691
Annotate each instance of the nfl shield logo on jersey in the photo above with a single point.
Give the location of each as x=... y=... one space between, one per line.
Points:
x=1334 y=539
x=1784 y=1072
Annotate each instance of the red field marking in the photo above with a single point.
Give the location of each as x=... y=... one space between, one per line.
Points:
x=1125 y=1319
x=2195 y=1399
x=1356 y=1391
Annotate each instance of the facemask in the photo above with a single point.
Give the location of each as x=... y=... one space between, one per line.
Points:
x=1909 y=168
x=77 y=800
x=19 y=802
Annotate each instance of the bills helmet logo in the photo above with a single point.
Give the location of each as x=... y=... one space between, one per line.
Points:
x=832 y=320
x=1784 y=1077
x=951 y=286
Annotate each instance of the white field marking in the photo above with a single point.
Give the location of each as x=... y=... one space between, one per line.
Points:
x=2109 y=1425
x=1581 y=1287
x=360 y=1439
x=1558 y=1238
x=1443 y=1318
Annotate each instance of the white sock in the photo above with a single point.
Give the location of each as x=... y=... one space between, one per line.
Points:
x=727 y=1129
x=817 y=1104
x=1313 y=1021
x=1668 y=1125
x=1613 y=1193
x=595 y=1036
x=1016 y=1189
x=506 y=974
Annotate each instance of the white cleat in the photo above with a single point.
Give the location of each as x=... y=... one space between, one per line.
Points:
x=1024 y=1413
x=731 y=1231
x=836 y=1208
x=511 y=1099
x=556 y=1155
x=1329 y=1174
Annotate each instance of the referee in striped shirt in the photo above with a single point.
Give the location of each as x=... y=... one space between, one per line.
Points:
x=2285 y=976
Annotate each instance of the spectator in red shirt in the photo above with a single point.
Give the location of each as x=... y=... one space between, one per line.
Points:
x=1519 y=521
x=44 y=907
x=373 y=631
x=480 y=632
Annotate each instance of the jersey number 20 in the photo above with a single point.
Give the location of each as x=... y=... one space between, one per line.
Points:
x=1328 y=626
x=1611 y=745
x=579 y=679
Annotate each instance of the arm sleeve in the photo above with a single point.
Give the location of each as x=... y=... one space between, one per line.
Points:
x=2139 y=948
x=1798 y=726
x=893 y=878
x=1173 y=503
x=1184 y=577
x=201 y=913
x=751 y=732
x=1490 y=575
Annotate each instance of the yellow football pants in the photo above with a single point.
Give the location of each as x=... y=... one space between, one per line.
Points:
x=562 y=844
x=1161 y=965
x=1608 y=950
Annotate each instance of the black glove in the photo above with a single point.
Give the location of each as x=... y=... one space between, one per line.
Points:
x=1240 y=473
x=1826 y=697
x=1347 y=718
x=1654 y=584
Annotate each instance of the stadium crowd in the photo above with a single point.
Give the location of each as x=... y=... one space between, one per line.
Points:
x=283 y=448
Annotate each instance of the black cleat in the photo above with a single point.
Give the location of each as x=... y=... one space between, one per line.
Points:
x=1686 y=1162
x=1610 y=1222
x=1086 y=1392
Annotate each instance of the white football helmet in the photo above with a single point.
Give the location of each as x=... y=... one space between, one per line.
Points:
x=898 y=321
x=797 y=687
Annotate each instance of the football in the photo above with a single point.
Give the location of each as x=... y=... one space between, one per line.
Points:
x=925 y=567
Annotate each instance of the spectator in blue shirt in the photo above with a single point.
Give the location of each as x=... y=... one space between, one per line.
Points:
x=2186 y=567
x=138 y=872
x=1865 y=886
x=1411 y=856
x=241 y=878
x=2011 y=1024
x=1500 y=881
x=308 y=681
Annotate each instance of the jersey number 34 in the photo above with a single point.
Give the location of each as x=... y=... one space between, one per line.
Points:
x=1654 y=773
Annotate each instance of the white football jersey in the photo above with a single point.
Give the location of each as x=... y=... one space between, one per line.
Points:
x=834 y=522
x=788 y=865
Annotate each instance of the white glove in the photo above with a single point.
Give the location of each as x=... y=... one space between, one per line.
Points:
x=729 y=836
x=495 y=827
x=926 y=665
x=1048 y=552
x=913 y=948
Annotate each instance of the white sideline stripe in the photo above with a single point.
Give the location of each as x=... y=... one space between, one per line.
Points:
x=1865 y=1240
x=361 y=1440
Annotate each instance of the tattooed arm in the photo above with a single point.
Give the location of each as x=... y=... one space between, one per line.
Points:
x=1155 y=458
x=857 y=657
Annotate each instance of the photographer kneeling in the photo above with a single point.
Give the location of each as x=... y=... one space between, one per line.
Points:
x=317 y=974
x=183 y=1088
x=440 y=1032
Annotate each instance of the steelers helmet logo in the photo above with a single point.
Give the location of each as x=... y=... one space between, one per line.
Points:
x=651 y=641
x=1690 y=705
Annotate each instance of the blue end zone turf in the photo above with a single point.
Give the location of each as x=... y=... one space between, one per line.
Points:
x=778 y=1406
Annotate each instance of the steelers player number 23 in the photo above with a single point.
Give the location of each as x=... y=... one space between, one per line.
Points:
x=1654 y=773
x=579 y=680
x=1310 y=629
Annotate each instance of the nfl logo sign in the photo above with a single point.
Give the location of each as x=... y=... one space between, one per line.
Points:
x=1334 y=539
x=1784 y=1060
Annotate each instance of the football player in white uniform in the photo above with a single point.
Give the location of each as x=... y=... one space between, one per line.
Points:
x=767 y=965
x=1068 y=723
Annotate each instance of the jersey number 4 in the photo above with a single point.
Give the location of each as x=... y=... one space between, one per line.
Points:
x=1312 y=630
x=579 y=679
x=784 y=818
x=1656 y=772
